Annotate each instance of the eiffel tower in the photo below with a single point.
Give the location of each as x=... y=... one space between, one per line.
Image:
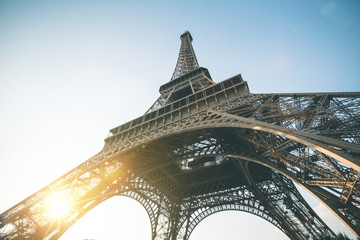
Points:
x=206 y=147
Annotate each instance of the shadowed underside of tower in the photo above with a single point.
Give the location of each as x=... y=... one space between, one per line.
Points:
x=203 y=148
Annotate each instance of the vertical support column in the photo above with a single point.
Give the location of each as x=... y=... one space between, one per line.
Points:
x=166 y=221
x=286 y=226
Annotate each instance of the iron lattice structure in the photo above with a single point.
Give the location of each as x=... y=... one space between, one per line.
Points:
x=203 y=148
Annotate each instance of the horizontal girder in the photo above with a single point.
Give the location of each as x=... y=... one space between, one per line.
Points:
x=314 y=138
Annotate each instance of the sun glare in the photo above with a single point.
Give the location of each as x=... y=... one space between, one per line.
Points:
x=57 y=206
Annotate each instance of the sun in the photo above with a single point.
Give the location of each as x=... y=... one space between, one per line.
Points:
x=57 y=206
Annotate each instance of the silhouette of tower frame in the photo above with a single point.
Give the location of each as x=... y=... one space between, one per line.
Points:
x=203 y=148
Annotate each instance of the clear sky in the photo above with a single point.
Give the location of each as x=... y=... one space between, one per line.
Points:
x=72 y=70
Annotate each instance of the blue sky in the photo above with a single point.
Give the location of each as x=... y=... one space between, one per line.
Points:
x=72 y=70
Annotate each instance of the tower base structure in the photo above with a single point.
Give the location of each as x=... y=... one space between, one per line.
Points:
x=203 y=148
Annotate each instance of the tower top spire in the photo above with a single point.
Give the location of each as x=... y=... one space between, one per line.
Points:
x=186 y=34
x=187 y=61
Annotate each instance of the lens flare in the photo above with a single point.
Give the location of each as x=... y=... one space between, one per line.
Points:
x=57 y=206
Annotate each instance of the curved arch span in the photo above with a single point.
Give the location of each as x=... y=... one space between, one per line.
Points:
x=317 y=192
x=238 y=223
x=204 y=213
x=313 y=191
x=327 y=146
x=119 y=220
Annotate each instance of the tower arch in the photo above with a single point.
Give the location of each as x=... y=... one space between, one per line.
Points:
x=207 y=147
x=232 y=223
x=118 y=216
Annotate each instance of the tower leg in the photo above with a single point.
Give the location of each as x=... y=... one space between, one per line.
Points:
x=286 y=204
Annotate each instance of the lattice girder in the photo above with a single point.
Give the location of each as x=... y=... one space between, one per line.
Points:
x=194 y=152
x=238 y=199
x=244 y=199
x=191 y=211
x=298 y=166
x=195 y=209
x=157 y=207
x=187 y=61
x=197 y=126
x=207 y=119
x=216 y=119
